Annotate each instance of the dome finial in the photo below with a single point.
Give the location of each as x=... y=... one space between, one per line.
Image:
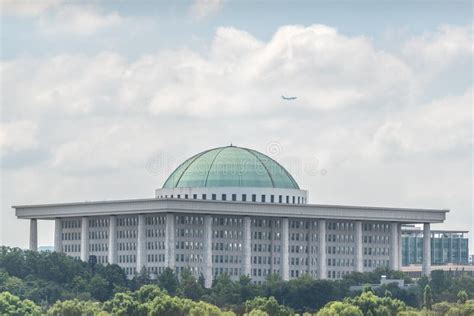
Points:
x=231 y=145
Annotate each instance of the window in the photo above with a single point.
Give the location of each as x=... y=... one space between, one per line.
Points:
x=244 y=197
x=204 y=197
x=263 y=198
x=179 y=196
x=186 y=196
x=280 y=199
x=213 y=197
x=272 y=198
x=234 y=197
x=299 y=200
x=224 y=197
x=287 y=199
x=293 y=200
x=254 y=198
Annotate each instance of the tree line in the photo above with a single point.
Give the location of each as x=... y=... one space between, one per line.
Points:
x=44 y=278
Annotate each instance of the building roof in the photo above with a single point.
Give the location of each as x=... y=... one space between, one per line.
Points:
x=230 y=166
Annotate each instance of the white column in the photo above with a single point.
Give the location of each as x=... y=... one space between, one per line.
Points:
x=400 y=264
x=112 y=240
x=394 y=246
x=33 y=234
x=359 y=247
x=58 y=238
x=426 y=268
x=169 y=241
x=247 y=246
x=285 y=259
x=208 y=251
x=85 y=239
x=323 y=274
x=141 y=243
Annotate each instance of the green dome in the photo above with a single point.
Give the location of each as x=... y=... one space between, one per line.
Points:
x=230 y=167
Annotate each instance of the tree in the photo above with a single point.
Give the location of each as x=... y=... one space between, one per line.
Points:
x=168 y=281
x=189 y=286
x=13 y=305
x=462 y=297
x=427 y=298
x=268 y=305
x=75 y=308
x=340 y=309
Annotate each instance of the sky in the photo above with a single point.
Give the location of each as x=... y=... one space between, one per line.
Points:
x=101 y=100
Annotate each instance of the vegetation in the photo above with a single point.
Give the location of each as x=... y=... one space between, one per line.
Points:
x=32 y=283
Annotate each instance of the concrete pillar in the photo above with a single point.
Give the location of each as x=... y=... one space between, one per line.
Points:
x=285 y=258
x=247 y=246
x=169 y=241
x=426 y=268
x=359 y=247
x=34 y=234
x=394 y=246
x=208 y=251
x=58 y=238
x=141 y=243
x=85 y=239
x=113 y=240
x=400 y=254
x=323 y=273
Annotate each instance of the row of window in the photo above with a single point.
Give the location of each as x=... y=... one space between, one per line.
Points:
x=376 y=239
x=376 y=251
x=190 y=245
x=155 y=220
x=243 y=198
x=127 y=258
x=189 y=220
x=98 y=247
x=224 y=246
x=227 y=259
x=127 y=221
x=341 y=262
x=227 y=234
x=189 y=258
x=189 y=232
x=101 y=234
x=99 y=222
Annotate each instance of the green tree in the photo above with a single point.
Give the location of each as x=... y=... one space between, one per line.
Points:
x=268 y=305
x=76 y=308
x=13 y=305
x=168 y=281
x=427 y=298
x=189 y=286
x=340 y=309
x=462 y=297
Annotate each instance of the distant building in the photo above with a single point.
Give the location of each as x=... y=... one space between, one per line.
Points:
x=232 y=210
x=447 y=246
x=383 y=282
x=46 y=248
x=415 y=271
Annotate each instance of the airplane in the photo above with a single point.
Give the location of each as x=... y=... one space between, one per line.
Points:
x=288 y=98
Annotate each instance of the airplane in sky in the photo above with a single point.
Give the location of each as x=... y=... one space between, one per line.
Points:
x=288 y=98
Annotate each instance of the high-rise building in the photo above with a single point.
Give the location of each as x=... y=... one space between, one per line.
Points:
x=232 y=210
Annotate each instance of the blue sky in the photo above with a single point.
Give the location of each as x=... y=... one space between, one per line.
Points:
x=102 y=99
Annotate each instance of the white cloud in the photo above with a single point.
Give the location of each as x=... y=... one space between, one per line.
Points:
x=203 y=8
x=362 y=114
x=17 y=136
x=27 y=8
x=434 y=51
x=78 y=19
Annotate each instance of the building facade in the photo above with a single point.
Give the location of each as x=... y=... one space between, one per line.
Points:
x=236 y=211
x=447 y=247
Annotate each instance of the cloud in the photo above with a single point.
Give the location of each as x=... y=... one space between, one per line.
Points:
x=27 y=8
x=363 y=114
x=203 y=8
x=434 y=51
x=17 y=136
x=78 y=19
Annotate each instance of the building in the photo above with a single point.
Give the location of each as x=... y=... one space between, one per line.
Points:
x=383 y=282
x=416 y=271
x=447 y=246
x=232 y=210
